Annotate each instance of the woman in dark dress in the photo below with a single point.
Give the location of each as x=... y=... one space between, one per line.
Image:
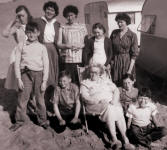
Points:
x=125 y=49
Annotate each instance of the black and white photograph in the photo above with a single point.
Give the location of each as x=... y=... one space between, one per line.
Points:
x=83 y=75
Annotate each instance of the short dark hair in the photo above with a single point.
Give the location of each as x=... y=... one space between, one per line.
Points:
x=123 y=16
x=23 y=7
x=31 y=26
x=145 y=91
x=52 y=5
x=130 y=76
x=70 y=8
x=64 y=73
x=98 y=25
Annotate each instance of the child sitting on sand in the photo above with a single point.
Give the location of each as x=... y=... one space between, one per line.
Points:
x=128 y=93
x=142 y=120
x=66 y=100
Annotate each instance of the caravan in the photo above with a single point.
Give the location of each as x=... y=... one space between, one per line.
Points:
x=106 y=11
x=153 y=54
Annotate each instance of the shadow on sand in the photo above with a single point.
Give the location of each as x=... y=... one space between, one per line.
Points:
x=8 y=99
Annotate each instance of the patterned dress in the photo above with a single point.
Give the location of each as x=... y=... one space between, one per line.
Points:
x=75 y=35
x=124 y=49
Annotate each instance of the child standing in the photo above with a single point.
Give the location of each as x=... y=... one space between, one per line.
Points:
x=31 y=69
x=142 y=120
x=128 y=93
x=66 y=100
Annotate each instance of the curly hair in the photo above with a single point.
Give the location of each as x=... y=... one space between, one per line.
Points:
x=70 y=8
x=52 y=5
x=123 y=16
x=101 y=68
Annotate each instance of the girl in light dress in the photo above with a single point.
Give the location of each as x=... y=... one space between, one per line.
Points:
x=16 y=28
x=71 y=42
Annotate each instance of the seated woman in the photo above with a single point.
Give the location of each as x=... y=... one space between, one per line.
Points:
x=101 y=98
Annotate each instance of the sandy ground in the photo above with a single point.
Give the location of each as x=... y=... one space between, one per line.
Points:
x=33 y=137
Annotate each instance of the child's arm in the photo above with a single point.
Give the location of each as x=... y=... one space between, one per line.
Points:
x=58 y=115
x=56 y=108
x=45 y=69
x=155 y=121
x=77 y=111
x=77 y=106
x=17 y=66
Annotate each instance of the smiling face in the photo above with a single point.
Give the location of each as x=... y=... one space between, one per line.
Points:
x=64 y=82
x=71 y=17
x=22 y=16
x=50 y=13
x=98 y=33
x=122 y=24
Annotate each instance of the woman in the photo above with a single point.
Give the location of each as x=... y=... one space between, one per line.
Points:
x=16 y=28
x=125 y=49
x=101 y=97
x=98 y=49
x=71 y=41
x=49 y=27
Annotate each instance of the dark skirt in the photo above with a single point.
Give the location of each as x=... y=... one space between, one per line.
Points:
x=120 y=68
x=53 y=64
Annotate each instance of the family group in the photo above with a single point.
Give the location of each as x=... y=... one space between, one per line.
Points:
x=44 y=67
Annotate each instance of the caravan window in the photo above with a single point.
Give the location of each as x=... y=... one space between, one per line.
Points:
x=87 y=18
x=147 y=24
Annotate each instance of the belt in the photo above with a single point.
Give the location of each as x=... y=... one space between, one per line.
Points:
x=27 y=71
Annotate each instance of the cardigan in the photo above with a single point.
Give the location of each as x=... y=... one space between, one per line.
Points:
x=89 y=50
x=41 y=23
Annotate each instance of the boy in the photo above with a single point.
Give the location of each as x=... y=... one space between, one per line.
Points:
x=66 y=100
x=31 y=69
x=142 y=120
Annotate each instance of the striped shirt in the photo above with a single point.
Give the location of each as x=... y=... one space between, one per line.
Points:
x=73 y=34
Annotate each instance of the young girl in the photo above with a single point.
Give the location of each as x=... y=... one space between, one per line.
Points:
x=71 y=42
x=128 y=93
x=142 y=120
x=98 y=49
x=16 y=28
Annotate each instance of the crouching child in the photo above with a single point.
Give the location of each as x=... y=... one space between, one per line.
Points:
x=66 y=100
x=142 y=120
x=31 y=69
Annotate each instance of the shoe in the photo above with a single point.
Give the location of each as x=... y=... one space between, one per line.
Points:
x=15 y=126
x=129 y=146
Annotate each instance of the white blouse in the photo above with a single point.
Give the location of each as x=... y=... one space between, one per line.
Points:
x=99 y=55
x=49 y=32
